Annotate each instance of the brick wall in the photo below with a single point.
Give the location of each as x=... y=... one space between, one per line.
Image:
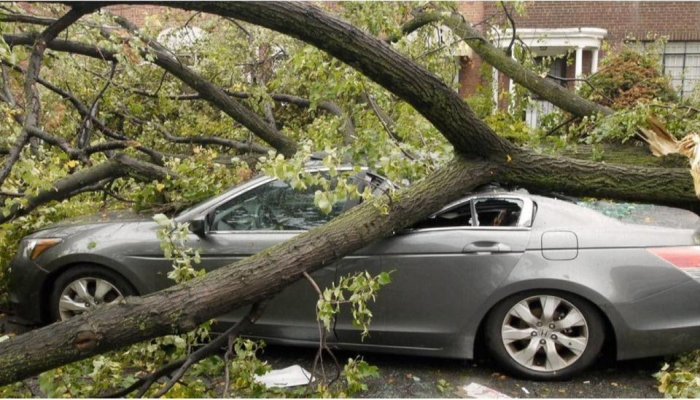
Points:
x=678 y=20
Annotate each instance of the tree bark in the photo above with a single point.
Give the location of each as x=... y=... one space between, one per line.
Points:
x=183 y=307
x=672 y=186
x=620 y=154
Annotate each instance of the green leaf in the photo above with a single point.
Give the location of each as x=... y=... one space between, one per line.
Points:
x=384 y=278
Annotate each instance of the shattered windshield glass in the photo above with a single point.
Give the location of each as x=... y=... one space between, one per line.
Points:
x=644 y=214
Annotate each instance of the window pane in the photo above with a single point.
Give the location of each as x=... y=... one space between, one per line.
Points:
x=673 y=61
x=692 y=66
x=498 y=212
x=674 y=48
x=271 y=207
x=693 y=47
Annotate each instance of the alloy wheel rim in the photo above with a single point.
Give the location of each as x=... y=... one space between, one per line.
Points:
x=545 y=333
x=84 y=294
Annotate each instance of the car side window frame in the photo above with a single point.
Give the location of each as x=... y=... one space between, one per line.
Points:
x=524 y=222
x=263 y=181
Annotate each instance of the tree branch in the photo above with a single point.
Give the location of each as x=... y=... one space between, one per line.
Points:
x=550 y=91
x=84 y=130
x=509 y=50
x=249 y=319
x=120 y=165
x=214 y=94
x=203 y=140
x=32 y=103
x=387 y=124
x=426 y=92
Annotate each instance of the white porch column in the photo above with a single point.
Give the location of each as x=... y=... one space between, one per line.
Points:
x=578 y=71
x=594 y=61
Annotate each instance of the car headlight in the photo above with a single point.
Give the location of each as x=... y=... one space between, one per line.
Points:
x=33 y=248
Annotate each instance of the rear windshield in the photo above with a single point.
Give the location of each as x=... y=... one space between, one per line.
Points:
x=645 y=214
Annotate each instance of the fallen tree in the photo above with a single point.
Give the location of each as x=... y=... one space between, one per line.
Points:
x=481 y=156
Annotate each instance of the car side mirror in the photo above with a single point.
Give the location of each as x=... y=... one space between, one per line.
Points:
x=200 y=226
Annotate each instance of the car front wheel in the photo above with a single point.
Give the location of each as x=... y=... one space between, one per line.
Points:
x=545 y=335
x=81 y=289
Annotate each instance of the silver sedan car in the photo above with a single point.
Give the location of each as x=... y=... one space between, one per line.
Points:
x=540 y=283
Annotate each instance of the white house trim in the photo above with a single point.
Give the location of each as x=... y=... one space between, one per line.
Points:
x=541 y=39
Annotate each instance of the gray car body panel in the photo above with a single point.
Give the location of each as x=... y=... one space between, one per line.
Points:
x=445 y=280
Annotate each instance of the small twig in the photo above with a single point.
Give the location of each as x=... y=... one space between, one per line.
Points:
x=689 y=108
x=387 y=128
x=8 y=98
x=556 y=128
x=201 y=140
x=83 y=131
x=11 y=194
x=239 y=26
x=182 y=365
x=227 y=360
x=322 y=344
x=509 y=50
x=584 y=80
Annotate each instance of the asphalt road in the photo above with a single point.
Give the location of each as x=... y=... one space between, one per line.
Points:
x=404 y=376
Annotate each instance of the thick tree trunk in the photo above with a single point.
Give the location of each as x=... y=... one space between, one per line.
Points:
x=183 y=307
x=672 y=186
x=621 y=154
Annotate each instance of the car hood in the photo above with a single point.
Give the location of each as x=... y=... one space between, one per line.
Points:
x=69 y=226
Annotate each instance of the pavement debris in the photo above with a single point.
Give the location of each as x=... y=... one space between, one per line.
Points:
x=286 y=377
x=477 y=391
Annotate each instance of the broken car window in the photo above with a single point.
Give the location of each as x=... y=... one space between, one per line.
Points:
x=455 y=217
x=490 y=212
x=274 y=206
x=498 y=211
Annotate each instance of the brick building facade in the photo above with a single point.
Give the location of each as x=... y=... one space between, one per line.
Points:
x=576 y=30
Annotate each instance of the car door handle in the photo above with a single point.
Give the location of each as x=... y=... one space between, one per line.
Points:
x=485 y=247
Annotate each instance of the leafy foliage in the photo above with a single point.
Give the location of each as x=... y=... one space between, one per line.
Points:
x=356 y=290
x=628 y=77
x=681 y=379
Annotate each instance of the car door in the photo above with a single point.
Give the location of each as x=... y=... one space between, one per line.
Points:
x=443 y=268
x=266 y=214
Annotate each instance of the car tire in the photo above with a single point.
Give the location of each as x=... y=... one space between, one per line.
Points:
x=544 y=335
x=97 y=286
